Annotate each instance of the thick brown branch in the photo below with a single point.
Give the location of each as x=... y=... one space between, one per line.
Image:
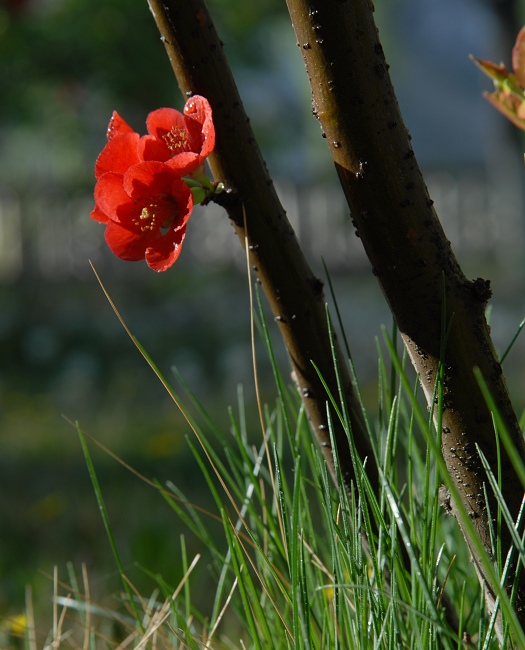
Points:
x=294 y=293
x=354 y=101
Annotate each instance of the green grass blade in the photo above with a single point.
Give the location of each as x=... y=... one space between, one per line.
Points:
x=107 y=526
x=462 y=512
x=245 y=586
x=512 y=341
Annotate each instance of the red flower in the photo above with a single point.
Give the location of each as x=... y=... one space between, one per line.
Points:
x=146 y=210
x=140 y=194
x=183 y=141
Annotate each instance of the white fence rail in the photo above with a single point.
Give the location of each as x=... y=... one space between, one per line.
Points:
x=53 y=235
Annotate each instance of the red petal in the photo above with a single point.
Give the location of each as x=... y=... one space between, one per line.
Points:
x=186 y=163
x=496 y=72
x=147 y=178
x=185 y=204
x=151 y=148
x=518 y=58
x=117 y=126
x=98 y=215
x=199 y=121
x=500 y=101
x=126 y=244
x=118 y=155
x=110 y=195
x=164 y=252
x=197 y=108
x=152 y=177
x=162 y=120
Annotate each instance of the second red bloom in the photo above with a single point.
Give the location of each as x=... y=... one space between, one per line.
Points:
x=183 y=141
x=147 y=209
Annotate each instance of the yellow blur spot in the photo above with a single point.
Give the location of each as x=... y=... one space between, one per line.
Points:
x=49 y=507
x=162 y=445
x=329 y=593
x=18 y=625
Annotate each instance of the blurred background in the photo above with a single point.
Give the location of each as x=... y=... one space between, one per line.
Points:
x=65 y=65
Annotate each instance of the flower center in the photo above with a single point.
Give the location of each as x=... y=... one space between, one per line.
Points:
x=176 y=140
x=158 y=214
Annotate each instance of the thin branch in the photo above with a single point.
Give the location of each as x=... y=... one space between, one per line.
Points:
x=294 y=293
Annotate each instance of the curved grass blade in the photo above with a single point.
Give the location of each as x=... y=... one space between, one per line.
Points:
x=107 y=526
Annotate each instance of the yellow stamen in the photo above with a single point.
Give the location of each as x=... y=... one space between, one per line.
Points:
x=147 y=218
x=176 y=140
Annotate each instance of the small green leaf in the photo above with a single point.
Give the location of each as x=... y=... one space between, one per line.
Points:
x=199 y=194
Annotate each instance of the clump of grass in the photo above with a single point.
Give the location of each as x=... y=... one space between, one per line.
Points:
x=296 y=562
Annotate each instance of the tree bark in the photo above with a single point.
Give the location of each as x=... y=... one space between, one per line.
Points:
x=294 y=293
x=427 y=292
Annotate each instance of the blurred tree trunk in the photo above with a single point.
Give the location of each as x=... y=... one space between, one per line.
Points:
x=440 y=314
x=507 y=12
